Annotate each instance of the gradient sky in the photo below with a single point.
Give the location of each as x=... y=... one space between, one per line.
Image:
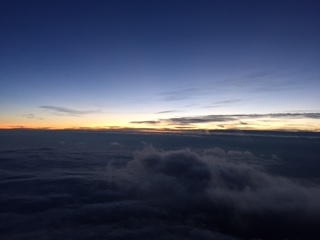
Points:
x=160 y=64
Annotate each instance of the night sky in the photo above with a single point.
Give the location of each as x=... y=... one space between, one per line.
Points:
x=160 y=64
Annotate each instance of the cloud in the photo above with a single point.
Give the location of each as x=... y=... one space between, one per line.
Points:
x=256 y=81
x=200 y=119
x=145 y=122
x=87 y=192
x=169 y=111
x=314 y=115
x=224 y=103
x=231 y=117
x=179 y=94
x=182 y=94
x=32 y=116
x=212 y=190
x=67 y=111
x=68 y=195
x=229 y=101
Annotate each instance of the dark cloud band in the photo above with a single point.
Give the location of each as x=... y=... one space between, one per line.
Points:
x=234 y=117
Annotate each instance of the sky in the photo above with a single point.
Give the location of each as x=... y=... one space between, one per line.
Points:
x=160 y=64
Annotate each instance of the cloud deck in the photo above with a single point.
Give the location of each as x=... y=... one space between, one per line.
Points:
x=155 y=192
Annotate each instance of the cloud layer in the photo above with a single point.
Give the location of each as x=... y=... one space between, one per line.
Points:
x=231 y=117
x=49 y=194
x=85 y=185
x=210 y=190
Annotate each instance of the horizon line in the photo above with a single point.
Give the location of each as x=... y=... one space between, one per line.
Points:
x=157 y=130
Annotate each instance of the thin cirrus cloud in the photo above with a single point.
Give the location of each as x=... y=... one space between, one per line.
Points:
x=229 y=118
x=224 y=103
x=168 y=111
x=67 y=111
x=32 y=116
x=181 y=94
x=254 y=82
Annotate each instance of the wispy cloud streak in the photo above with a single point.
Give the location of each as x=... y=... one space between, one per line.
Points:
x=68 y=111
x=169 y=111
x=224 y=103
x=145 y=122
x=32 y=116
x=179 y=94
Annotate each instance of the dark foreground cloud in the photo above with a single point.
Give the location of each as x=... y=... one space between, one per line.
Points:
x=49 y=194
x=203 y=193
x=206 y=189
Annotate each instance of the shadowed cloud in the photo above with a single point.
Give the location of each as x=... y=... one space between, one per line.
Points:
x=218 y=189
x=93 y=185
x=146 y=122
x=232 y=117
x=201 y=119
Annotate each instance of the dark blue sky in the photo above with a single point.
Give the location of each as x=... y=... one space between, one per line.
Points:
x=114 y=62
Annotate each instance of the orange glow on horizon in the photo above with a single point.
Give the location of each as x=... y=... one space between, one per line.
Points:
x=165 y=128
x=122 y=123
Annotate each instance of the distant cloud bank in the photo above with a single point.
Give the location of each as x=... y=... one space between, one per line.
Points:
x=231 y=117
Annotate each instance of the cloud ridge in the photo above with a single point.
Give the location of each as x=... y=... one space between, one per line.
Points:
x=232 y=196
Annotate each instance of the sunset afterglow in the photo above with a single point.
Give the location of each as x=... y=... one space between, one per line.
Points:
x=105 y=64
